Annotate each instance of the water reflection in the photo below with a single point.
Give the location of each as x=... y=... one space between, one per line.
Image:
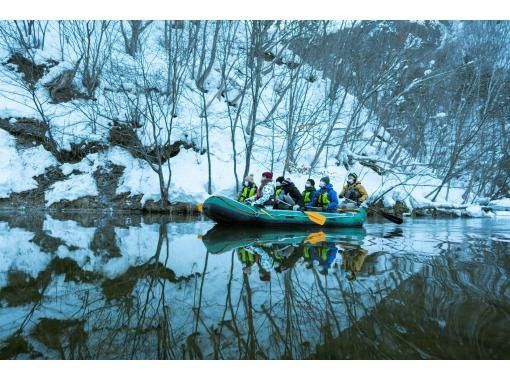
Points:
x=91 y=286
x=279 y=250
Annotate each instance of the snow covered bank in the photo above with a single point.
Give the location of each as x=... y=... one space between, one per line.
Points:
x=212 y=118
x=19 y=166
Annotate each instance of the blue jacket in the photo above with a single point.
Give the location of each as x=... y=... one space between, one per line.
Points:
x=332 y=197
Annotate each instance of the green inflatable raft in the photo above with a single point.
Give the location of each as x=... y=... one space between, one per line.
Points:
x=224 y=210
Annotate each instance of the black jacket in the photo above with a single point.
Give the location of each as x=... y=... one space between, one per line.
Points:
x=294 y=193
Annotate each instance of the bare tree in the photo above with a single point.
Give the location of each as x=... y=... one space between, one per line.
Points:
x=152 y=105
x=133 y=34
x=91 y=41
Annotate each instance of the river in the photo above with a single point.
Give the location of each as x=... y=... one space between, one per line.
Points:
x=119 y=286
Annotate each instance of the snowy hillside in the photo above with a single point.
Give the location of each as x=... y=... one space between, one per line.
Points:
x=167 y=118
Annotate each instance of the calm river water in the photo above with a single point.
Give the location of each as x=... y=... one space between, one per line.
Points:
x=117 y=286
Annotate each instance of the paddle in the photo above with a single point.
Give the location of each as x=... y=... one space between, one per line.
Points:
x=390 y=217
x=200 y=207
x=265 y=212
x=313 y=216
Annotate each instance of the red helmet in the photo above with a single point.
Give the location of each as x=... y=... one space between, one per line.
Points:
x=267 y=175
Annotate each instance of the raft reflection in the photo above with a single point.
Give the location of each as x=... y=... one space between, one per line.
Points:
x=280 y=249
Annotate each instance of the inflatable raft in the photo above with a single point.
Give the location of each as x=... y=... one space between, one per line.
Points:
x=224 y=210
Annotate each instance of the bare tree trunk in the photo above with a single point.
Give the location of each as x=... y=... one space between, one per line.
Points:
x=131 y=38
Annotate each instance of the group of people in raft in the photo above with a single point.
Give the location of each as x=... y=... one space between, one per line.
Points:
x=284 y=195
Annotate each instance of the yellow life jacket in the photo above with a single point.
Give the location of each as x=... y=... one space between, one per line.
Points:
x=307 y=195
x=277 y=191
x=322 y=199
x=247 y=192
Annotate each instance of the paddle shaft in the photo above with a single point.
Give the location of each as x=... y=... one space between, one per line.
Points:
x=390 y=217
x=312 y=216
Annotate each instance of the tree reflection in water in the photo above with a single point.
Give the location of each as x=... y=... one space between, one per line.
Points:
x=155 y=291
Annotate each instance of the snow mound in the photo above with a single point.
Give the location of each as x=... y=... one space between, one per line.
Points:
x=18 y=167
x=75 y=187
x=477 y=212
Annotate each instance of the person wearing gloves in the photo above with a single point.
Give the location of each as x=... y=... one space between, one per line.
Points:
x=289 y=196
x=326 y=197
x=353 y=191
x=249 y=189
x=265 y=193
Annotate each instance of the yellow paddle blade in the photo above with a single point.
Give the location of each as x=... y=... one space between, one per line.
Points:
x=316 y=237
x=199 y=207
x=316 y=217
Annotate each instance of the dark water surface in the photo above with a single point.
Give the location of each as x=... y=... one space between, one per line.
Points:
x=117 y=286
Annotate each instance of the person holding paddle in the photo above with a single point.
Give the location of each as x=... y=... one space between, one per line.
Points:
x=289 y=198
x=353 y=191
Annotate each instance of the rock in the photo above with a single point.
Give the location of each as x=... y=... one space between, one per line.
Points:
x=31 y=72
x=87 y=202
x=179 y=208
x=400 y=208
x=107 y=179
x=125 y=136
x=126 y=201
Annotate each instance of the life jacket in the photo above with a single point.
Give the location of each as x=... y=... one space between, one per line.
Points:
x=306 y=252
x=247 y=192
x=322 y=199
x=246 y=256
x=277 y=191
x=308 y=195
x=352 y=193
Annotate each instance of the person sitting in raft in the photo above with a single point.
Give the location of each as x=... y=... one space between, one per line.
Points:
x=326 y=197
x=278 y=187
x=249 y=189
x=265 y=193
x=353 y=191
x=289 y=197
x=309 y=190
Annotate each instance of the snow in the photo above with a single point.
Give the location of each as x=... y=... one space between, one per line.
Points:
x=19 y=166
x=85 y=121
x=477 y=212
x=505 y=202
x=76 y=186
